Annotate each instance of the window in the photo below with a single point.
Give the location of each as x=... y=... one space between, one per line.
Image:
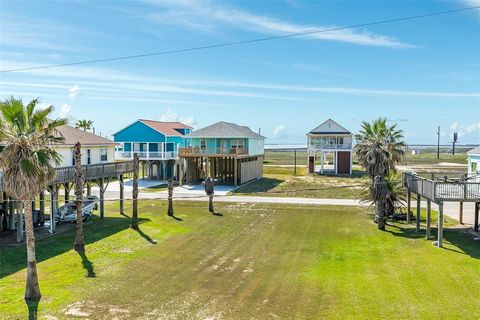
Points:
x=237 y=144
x=89 y=156
x=203 y=144
x=73 y=157
x=103 y=154
x=474 y=167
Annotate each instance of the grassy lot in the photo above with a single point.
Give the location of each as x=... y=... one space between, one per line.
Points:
x=431 y=159
x=257 y=261
x=280 y=182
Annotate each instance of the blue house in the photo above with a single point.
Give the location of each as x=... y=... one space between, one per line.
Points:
x=224 y=151
x=155 y=142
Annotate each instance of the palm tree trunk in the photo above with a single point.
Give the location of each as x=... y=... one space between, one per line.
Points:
x=380 y=215
x=79 y=244
x=210 y=204
x=135 y=193
x=32 y=292
x=170 y=198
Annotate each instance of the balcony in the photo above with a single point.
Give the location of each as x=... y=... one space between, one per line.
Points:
x=329 y=146
x=143 y=155
x=198 y=152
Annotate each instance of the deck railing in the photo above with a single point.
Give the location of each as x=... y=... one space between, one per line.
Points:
x=439 y=191
x=198 y=151
x=90 y=172
x=128 y=155
x=327 y=146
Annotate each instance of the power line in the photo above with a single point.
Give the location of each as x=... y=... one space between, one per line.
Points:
x=226 y=44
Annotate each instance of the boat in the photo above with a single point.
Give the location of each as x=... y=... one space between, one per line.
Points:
x=68 y=212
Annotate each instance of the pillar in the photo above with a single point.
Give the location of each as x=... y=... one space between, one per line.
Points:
x=164 y=165
x=440 y=225
x=429 y=212
x=180 y=172
x=89 y=189
x=57 y=190
x=122 y=201
x=42 y=208
x=417 y=222
x=477 y=209
x=235 y=172
x=102 y=197
x=460 y=215
x=52 y=209
x=409 y=205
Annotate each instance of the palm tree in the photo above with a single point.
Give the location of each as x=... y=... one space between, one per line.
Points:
x=79 y=244
x=379 y=148
x=27 y=160
x=84 y=124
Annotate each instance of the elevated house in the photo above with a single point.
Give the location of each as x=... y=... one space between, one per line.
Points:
x=155 y=142
x=474 y=164
x=329 y=149
x=227 y=152
x=95 y=149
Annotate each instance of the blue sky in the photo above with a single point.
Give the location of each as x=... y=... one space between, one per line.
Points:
x=419 y=73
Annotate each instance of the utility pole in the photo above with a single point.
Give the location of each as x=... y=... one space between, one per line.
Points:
x=438 y=143
x=455 y=138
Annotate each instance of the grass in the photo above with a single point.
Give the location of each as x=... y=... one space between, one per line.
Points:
x=256 y=261
x=431 y=159
x=281 y=182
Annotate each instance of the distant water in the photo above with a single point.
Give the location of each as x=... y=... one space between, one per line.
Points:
x=293 y=146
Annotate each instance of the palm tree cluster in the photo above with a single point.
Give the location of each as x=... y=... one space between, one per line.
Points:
x=379 y=148
x=84 y=124
x=27 y=161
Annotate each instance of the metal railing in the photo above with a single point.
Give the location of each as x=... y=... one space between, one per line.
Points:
x=328 y=146
x=439 y=191
x=90 y=172
x=198 y=151
x=123 y=155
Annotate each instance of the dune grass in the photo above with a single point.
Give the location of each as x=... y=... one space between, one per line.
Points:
x=250 y=261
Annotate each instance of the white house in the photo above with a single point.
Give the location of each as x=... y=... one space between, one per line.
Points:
x=95 y=149
x=329 y=148
x=474 y=163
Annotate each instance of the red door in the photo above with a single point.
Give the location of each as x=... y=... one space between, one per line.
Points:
x=311 y=164
x=343 y=162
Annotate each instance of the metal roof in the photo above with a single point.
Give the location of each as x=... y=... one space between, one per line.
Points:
x=224 y=129
x=330 y=127
x=474 y=151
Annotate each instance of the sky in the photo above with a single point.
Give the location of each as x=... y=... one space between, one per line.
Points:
x=420 y=74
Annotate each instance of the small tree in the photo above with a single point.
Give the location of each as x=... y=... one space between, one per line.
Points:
x=209 y=190
x=27 y=160
x=79 y=244
x=170 y=198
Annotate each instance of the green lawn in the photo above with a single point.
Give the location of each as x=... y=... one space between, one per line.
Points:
x=281 y=182
x=256 y=261
x=431 y=159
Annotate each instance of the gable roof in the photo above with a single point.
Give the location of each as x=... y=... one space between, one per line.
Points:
x=474 y=151
x=73 y=135
x=330 y=127
x=224 y=129
x=164 y=127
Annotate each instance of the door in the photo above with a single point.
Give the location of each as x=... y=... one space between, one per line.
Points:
x=343 y=162
x=311 y=164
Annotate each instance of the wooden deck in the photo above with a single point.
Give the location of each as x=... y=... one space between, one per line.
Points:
x=90 y=172
x=440 y=191
x=194 y=152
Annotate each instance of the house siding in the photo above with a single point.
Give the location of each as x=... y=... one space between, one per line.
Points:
x=256 y=146
x=66 y=155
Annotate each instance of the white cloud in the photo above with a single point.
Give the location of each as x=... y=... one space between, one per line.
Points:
x=42 y=106
x=171 y=116
x=280 y=131
x=210 y=15
x=464 y=130
x=65 y=112
x=74 y=91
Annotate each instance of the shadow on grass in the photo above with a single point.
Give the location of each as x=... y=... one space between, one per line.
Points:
x=218 y=214
x=144 y=235
x=459 y=238
x=32 y=309
x=13 y=259
x=262 y=185
x=87 y=265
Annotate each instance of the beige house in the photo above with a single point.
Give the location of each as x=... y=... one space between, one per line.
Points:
x=95 y=149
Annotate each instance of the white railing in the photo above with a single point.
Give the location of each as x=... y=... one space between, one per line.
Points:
x=328 y=146
x=124 y=155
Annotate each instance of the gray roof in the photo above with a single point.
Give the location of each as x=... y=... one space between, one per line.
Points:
x=330 y=127
x=224 y=129
x=474 y=151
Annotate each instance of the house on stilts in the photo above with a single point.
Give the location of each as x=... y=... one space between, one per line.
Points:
x=227 y=152
x=329 y=149
x=156 y=143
